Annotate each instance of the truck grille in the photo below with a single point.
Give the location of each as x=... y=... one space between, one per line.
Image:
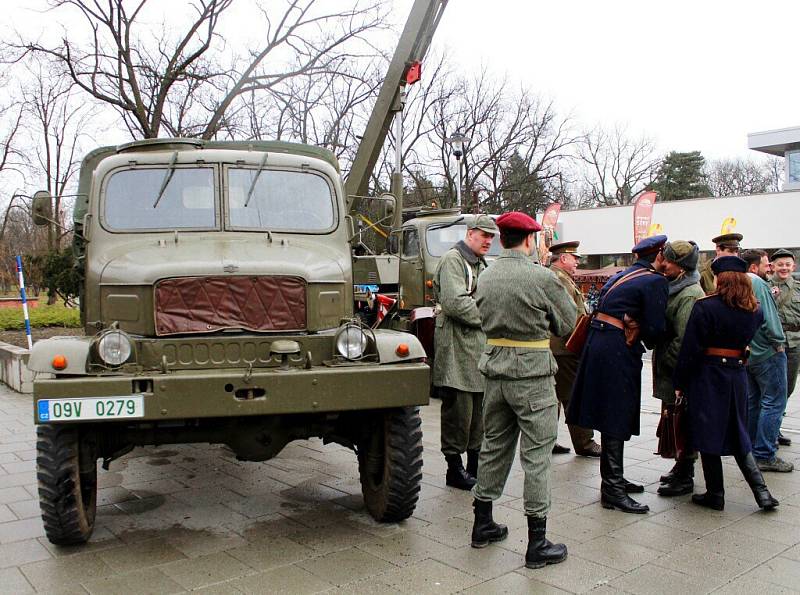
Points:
x=208 y=304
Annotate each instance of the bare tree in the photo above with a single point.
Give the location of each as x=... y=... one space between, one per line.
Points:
x=735 y=177
x=617 y=167
x=179 y=84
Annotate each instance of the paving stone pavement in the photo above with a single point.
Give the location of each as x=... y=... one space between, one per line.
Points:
x=181 y=518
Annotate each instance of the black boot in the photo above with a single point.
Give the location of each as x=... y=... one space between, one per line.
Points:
x=613 y=489
x=715 y=487
x=472 y=462
x=752 y=474
x=632 y=488
x=485 y=530
x=457 y=476
x=682 y=481
x=540 y=551
x=676 y=471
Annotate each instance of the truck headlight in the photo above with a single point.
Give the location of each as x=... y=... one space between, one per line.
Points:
x=351 y=342
x=114 y=348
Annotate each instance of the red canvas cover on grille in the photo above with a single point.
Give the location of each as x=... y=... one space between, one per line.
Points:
x=207 y=304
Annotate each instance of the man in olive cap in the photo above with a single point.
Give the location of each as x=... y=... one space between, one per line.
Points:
x=564 y=262
x=678 y=263
x=786 y=291
x=726 y=244
x=458 y=344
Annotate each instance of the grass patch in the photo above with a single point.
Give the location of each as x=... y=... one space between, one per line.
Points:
x=43 y=315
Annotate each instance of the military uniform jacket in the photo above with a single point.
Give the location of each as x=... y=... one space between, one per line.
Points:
x=606 y=395
x=707 y=281
x=665 y=355
x=558 y=344
x=458 y=339
x=787 y=298
x=522 y=301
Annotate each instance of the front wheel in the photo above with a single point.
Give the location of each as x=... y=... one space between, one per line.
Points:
x=390 y=465
x=66 y=467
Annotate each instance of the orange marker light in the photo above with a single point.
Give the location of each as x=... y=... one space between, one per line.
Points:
x=429 y=283
x=402 y=350
x=59 y=362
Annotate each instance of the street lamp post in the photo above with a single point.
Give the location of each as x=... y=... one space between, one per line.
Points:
x=458 y=143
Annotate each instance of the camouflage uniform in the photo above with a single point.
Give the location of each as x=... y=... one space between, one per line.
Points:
x=458 y=343
x=787 y=298
x=520 y=301
x=568 y=362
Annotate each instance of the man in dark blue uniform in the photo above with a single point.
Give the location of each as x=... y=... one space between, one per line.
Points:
x=607 y=392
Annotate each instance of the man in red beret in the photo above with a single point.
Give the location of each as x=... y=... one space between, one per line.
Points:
x=521 y=304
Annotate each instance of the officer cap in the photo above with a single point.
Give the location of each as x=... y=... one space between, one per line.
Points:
x=484 y=223
x=518 y=221
x=728 y=240
x=725 y=264
x=781 y=253
x=684 y=254
x=565 y=248
x=649 y=245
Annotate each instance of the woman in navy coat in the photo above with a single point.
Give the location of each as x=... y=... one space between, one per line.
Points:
x=711 y=374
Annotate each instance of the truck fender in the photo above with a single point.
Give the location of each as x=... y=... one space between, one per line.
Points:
x=387 y=342
x=74 y=349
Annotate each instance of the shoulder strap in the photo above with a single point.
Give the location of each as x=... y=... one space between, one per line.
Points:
x=625 y=279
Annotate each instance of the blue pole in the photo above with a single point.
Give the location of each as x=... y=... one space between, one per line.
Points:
x=24 y=297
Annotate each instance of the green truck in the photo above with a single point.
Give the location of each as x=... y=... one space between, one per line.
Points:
x=217 y=303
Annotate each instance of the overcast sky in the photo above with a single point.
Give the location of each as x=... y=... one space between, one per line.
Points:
x=691 y=74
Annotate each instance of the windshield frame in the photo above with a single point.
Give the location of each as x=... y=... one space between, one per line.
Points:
x=283 y=168
x=439 y=226
x=102 y=203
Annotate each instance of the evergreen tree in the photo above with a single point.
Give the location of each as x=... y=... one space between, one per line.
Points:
x=680 y=176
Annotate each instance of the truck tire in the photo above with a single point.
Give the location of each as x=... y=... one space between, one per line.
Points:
x=390 y=465
x=66 y=467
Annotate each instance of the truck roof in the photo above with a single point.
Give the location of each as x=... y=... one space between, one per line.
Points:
x=93 y=158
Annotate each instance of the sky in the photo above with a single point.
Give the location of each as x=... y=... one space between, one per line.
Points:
x=690 y=74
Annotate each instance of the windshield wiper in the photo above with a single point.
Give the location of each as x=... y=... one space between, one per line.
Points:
x=255 y=179
x=445 y=225
x=167 y=178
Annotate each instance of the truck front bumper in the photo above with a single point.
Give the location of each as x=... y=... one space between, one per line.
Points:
x=221 y=393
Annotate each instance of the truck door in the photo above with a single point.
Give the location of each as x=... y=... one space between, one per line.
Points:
x=412 y=282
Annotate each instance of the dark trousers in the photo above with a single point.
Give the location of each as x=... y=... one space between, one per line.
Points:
x=565 y=378
x=462 y=421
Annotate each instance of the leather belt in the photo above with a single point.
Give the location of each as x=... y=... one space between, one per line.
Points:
x=538 y=344
x=615 y=322
x=719 y=352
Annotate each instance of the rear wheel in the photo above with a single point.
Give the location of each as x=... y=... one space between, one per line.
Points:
x=390 y=465
x=66 y=467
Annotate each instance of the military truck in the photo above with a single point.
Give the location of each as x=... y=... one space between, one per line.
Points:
x=217 y=304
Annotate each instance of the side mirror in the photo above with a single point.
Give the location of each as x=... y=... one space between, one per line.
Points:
x=351 y=227
x=388 y=207
x=42 y=208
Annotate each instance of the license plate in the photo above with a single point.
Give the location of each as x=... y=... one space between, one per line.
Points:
x=95 y=408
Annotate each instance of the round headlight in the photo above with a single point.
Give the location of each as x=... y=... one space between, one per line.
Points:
x=114 y=348
x=351 y=342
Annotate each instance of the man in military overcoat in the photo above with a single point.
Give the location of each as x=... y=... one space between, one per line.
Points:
x=564 y=263
x=786 y=290
x=726 y=244
x=678 y=263
x=607 y=393
x=521 y=305
x=458 y=343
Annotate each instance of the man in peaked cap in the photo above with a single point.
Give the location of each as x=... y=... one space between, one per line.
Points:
x=726 y=244
x=458 y=343
x=678 y=263
x=521 y=305
x=786 y=291
x=564 y=262
x=607 y=394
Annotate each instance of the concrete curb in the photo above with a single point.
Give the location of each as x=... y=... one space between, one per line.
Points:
x=14 y=370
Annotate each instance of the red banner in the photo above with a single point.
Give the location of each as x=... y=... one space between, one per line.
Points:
x=642 y=215
x=549 y=220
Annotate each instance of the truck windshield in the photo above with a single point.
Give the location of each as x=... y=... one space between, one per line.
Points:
x=187 y=201
x=280 y=201
x=442 y=239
